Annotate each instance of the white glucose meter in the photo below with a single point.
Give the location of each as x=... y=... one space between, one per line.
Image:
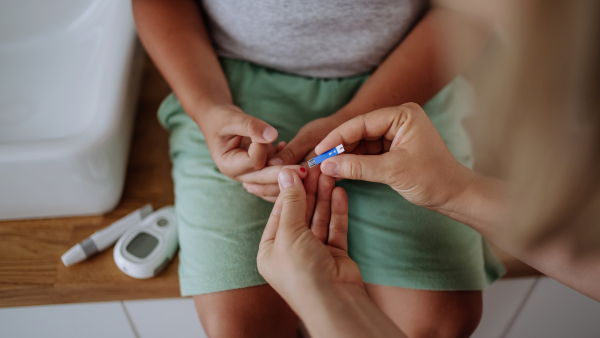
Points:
x=146 y=249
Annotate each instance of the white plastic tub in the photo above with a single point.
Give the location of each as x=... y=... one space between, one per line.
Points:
x=69 y=72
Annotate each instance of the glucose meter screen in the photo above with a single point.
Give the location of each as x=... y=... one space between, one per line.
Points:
x=142 y=245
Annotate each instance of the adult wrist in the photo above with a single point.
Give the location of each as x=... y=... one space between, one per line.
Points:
x=316 y=302
x=344 y=310
x=460 y=183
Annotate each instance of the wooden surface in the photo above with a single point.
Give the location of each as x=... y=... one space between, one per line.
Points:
x=31 y=272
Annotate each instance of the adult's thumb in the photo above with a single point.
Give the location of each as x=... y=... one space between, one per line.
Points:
x=293 y=210
x=372 y=168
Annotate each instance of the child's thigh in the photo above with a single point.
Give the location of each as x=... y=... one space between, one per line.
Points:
x=396 y=243
x=426 y=313
x=220 y=224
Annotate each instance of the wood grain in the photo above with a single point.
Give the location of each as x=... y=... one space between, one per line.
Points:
x=31 y=272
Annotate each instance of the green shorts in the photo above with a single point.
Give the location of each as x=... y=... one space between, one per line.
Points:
x=394 y=242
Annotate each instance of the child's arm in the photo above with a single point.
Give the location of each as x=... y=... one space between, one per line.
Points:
x=175 y=37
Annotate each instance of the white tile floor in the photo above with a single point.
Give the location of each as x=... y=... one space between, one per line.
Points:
x=513 y=308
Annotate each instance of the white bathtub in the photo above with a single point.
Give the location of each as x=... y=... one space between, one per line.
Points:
x=69 y=73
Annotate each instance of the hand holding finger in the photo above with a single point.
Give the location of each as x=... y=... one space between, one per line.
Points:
x=269 y=175
x=259 y=182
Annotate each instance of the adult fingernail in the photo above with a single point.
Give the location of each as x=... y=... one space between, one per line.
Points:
x=269 y=134
x=276 y=161
x=330 y=169
x=286 y=179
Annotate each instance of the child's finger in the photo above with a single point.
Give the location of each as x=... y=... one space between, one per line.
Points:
x=263 y=190
x=292 y=153
x=310 y=155
x=338 y=226
x=247 y=125
x=268 y=175
x=237 y=161
x=257 y=155
x=271 y=151
x=280 y=146
x=322 y=214
x=245 y=143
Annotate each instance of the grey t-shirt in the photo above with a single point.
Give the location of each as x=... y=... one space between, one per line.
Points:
x=316 y=38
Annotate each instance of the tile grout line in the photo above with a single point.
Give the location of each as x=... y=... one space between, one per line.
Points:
x=135 y=332
x=512 y=321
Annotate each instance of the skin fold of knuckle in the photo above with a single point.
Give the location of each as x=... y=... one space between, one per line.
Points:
x=293 y=197
x=354 y=170
x=287 y=154
x=250 y=126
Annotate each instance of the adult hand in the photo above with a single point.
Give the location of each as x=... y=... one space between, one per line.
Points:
x=238 y=143
x=415 y=161
x=294 y=257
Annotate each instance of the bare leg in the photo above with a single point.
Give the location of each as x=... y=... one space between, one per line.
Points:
x=256 y=311
x=424 y=313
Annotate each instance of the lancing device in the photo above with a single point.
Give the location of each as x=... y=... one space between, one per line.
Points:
x=330 y=153
x=104 y=238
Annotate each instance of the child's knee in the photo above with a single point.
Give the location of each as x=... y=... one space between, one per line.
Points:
x=423 y=313
x=460 y=325
x=249 y=312
x=454 y=321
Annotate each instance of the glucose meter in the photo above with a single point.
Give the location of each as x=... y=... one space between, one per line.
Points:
x=146 y=249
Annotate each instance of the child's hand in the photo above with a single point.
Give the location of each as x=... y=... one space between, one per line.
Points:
x=301 y=148
x=263 y=183
x=238 y=143
x=305 y=141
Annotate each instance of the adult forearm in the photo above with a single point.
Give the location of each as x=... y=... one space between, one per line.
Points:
x=419 y=67
x=176 y=39
x=486 y=206
x=344 y=311
x=482 y=205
